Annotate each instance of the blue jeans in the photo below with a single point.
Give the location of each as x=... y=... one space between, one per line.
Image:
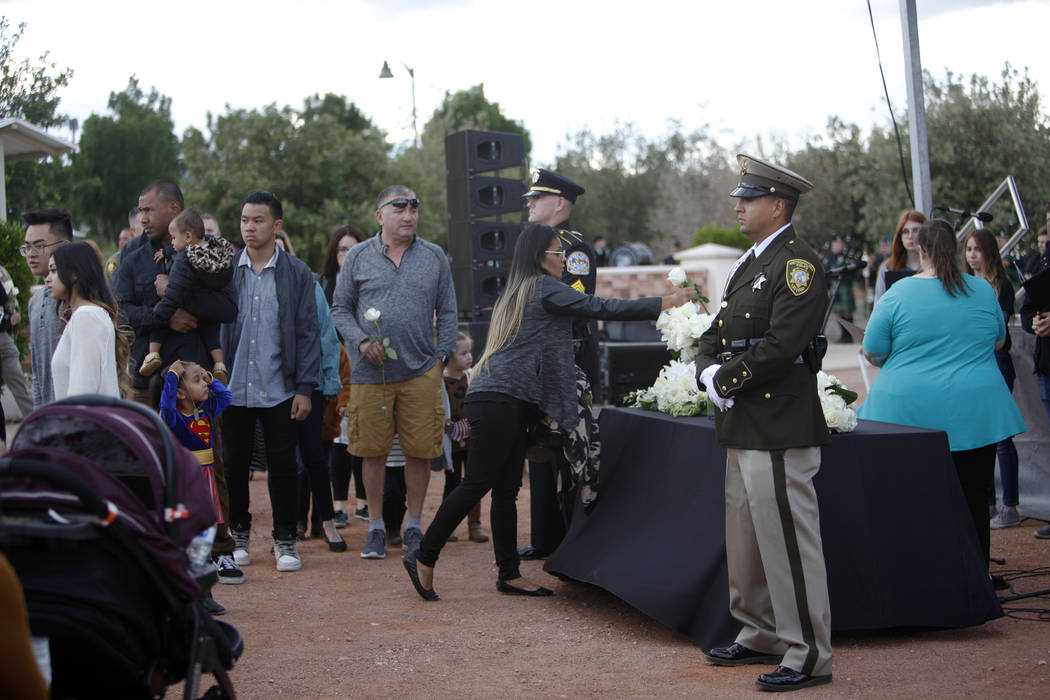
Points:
x=1005 y=450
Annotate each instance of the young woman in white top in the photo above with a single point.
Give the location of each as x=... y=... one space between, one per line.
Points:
x=92 y=355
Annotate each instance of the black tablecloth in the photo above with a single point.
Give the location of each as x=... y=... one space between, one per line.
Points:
x=898 y=540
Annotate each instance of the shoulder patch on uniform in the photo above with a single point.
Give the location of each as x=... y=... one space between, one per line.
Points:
x=111 y=266
x=578 y=286
x=578 y=263
x=799 y=275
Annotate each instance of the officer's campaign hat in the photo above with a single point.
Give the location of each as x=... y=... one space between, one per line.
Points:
x=548 y=182
x=759 y=178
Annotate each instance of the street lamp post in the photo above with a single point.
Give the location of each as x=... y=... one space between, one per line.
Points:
x=387 y=73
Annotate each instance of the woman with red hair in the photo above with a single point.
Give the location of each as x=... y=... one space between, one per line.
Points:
x=905 y=252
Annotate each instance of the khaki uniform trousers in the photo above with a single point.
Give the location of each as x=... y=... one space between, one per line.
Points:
x=777 y=580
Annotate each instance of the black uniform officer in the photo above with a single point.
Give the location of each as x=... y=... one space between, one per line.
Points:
x=550 y=201
x=758 y=365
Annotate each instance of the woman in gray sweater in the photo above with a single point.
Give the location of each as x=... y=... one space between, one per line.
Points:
x=526 y=371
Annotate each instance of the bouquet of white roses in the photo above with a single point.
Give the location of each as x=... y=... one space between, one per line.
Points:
x=674 y=392
x=835 y=400
x=681 y=327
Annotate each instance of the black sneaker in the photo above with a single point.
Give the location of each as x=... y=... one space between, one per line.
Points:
x=229 y=572
x=361 y=513
x=211 y=605
x=340 y=519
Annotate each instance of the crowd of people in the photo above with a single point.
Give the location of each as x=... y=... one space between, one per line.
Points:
x=251 y=358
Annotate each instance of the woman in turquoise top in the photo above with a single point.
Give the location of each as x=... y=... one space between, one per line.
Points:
x=934 y=334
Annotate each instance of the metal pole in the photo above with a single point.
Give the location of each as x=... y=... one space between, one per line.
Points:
x=920 y=145
x=415 y=129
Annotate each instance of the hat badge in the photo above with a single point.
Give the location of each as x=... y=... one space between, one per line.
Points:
x=535 y=176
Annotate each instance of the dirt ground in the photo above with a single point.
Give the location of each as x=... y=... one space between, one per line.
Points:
x=347 y=627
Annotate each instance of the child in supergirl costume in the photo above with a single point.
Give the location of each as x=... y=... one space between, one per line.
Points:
x=189 y=401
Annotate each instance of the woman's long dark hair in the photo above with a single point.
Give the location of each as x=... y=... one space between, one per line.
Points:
x=994 y=271
x=937 y=239
x=525 y=272
x=331 y=258
x=78 y=268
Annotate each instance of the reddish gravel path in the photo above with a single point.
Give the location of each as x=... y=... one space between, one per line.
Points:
x=346 y=627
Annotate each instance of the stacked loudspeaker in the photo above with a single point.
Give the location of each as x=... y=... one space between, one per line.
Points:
x=484 y=216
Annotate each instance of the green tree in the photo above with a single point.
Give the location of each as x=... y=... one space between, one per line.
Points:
x=722 y=235
x=326 y=163
x=840 y=170
x=120 y=154
x=28 y=91
x=11 y=236
x=980 y=131
x=619 y=194
x=693 y=175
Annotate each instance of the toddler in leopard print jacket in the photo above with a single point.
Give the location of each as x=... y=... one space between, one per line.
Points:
x=198 y=262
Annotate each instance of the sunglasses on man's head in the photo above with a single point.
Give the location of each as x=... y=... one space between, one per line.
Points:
x=401 y=202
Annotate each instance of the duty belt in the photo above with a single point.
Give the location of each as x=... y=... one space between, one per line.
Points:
x=741 y=345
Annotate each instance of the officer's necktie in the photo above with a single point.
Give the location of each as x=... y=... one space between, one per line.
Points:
x=740 y=265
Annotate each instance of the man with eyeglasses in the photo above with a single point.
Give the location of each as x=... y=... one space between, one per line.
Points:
x=409 y=281
x=550 y=201
x=46 y=229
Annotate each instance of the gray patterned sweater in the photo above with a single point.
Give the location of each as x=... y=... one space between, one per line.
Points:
x=537 y=366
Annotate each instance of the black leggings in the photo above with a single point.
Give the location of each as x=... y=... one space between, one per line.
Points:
x=976 y=470
x=343 y=465
x=495 y=462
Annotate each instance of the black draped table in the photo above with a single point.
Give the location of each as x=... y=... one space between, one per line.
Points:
x=898 y=540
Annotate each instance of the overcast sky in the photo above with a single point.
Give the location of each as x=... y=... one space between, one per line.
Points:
x=765 y=67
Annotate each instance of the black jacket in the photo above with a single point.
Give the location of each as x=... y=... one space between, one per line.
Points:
x=137 y=297
x=1028 y=312
x=195 y=269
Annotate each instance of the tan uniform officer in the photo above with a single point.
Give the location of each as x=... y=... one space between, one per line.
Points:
x=759 y=369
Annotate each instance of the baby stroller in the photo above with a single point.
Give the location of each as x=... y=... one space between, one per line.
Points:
x=97 y=506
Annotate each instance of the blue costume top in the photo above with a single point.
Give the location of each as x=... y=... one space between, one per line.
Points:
x=940 y=372
x=193 y=431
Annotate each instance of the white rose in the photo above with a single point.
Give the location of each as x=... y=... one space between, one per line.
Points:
x=834 y=418
x=676 y=276
x=372 y=315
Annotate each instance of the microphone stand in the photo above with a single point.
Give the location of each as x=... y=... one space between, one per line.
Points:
x=836 y=273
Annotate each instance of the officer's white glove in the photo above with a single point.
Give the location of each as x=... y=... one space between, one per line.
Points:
x=707 y=378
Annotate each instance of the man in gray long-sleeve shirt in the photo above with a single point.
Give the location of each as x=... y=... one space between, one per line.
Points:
x=45 y=230
x=407 y=280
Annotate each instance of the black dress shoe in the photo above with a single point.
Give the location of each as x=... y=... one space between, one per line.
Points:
x=506 y=587
x=409 y=561
x=739 y=655
x=530 y=553
x=785 y=679
x=336 y=545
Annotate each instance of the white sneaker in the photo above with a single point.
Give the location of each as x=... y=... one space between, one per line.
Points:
x=241 y=539
x=1007 y=517
x=287 y=556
